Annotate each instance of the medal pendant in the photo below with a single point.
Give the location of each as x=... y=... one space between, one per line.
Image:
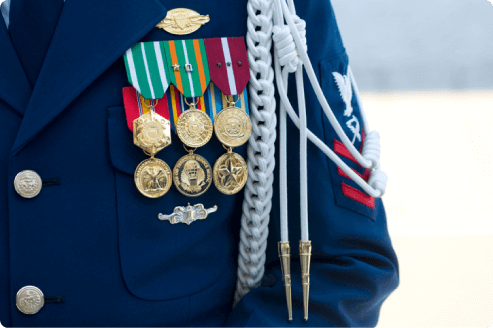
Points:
x=153 y=177
x=152 y=133
x=192 y=175
x=232 y=126
x=230 y=173
x=194 y=127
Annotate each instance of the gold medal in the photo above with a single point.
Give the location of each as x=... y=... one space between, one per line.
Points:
x=152 y=133
x=192 y=175
x=194 y=127
x=153 y=177
x=232 y=127
x=230 y=173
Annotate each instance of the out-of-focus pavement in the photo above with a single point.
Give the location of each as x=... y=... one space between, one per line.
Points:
x=437 y=148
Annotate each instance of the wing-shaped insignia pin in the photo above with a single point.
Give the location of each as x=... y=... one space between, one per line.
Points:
x=187 y=214
x=181 y=21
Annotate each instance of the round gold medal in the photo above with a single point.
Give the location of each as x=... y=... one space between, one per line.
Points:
x=153 y=177
x=230 y=173
x=232 y=126
x=194 y=128
x=192 y=175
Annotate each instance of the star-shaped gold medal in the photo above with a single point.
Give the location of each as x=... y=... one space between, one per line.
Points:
x=230 y=173
x=176 y=67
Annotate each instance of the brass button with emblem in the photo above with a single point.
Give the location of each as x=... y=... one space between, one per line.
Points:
x=28 y=184
x=30 y=300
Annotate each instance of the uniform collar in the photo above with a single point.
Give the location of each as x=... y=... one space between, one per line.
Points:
x=15 y=89
x=90 y=36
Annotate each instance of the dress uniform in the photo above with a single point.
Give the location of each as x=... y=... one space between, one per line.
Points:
x=80 y=246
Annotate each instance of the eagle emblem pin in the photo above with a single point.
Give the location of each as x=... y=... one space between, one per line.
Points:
x=181 y=21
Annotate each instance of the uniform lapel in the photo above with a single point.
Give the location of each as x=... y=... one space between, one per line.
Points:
x=90 y=36
x=15 y=89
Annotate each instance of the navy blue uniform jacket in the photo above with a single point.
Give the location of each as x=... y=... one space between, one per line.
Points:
x=96 y=241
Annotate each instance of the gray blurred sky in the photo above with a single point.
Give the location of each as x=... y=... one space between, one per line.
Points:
x=419 y=44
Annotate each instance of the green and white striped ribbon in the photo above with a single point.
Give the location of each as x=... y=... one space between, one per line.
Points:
x=147 y=69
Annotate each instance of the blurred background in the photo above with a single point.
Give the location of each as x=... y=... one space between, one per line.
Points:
x=425 y=69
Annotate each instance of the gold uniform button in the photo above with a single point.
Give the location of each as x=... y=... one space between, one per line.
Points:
x=30 y=300
x=28 y=184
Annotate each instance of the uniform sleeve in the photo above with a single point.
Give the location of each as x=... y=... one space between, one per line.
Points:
x=354 y=269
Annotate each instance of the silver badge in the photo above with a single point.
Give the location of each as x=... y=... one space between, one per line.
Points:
x=187 y=214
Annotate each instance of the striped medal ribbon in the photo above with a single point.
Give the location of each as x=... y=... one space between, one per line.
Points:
x=229 y=69
x=189 y=72
x=150 y=121
x=147 y=69
x=173 y=104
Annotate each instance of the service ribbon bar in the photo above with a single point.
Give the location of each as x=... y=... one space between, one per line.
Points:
x=147 y=69
x=136 y=106
x=228 y=64
x=188 y=66
x=172 y=105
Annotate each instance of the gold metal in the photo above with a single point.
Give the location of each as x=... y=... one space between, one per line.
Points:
x=187 y=214
x=194 y=127
x=230 y=173
x=192 y=175
x=181 y=21
x=232 y=126
x=305 y=256
x=152 y=132
x=29 y=300
x=176 y=67
x=153 y=177
x=285 y=257
x=28 y=184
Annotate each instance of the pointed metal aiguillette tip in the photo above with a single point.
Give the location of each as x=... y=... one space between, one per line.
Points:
x=305 y=256
x=285 y=257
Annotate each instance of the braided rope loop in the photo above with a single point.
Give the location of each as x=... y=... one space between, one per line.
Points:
x=258 y=191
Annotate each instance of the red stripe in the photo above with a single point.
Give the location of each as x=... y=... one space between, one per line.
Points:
x=131 y=105
x=358 y=196
x=215 y=55
x=238 y=52
x=340 y=149
x=162 y=107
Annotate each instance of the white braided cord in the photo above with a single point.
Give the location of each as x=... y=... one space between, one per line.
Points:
x=258 y=191
x=290 y=57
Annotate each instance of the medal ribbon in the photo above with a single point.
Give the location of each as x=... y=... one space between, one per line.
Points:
x=188 y=66
x=172 y=105
x=136 y=106
x=228 y=64
x=147 y=69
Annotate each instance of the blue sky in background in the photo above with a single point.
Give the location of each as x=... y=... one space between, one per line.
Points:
x=420 y=44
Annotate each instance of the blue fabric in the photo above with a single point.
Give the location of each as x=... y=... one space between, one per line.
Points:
x=98 y=243
x=32 y=23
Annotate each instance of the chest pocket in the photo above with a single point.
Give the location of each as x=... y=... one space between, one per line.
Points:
x=161 y=261
x=337 y=88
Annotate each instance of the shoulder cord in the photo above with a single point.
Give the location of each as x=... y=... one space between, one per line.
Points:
x=258 y=191
x=290 y=53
